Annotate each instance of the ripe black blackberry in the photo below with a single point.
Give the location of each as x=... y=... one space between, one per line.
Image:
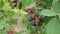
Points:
x=30 y=18
x=40 y=23
x=36 y=14
x=41 y=19
x=32 y=23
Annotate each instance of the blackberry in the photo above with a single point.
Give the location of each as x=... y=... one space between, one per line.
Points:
x=32 y=23
x=36 y=14
x=19 y=4
x=40 y=23
x=41 y=19
x=39 y=4
x=31 y=10
x=36 y=24
x=14 y=4
x=30 y=18
x=33 y=17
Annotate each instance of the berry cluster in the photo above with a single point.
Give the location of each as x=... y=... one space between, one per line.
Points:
x=35 y=19
x=15 y=3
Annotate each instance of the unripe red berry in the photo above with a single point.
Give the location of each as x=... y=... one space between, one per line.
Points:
x=36 y=23
x=39 y=4
x=14 y=4
x=31 y=10
x=33 y=17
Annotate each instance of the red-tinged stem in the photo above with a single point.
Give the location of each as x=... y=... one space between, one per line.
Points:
x=10 y=31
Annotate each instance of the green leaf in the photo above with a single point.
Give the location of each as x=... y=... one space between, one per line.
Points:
x=56 y=6
x=27 y=3
x=57 y=26
x=14 y=21
x=10 y=14
x=53 y=26
x=47 y=19
x=59 y=16
x=2 y=32
x=47 y=12
x=25 y=19
x=40 y=8
x=7 y=26
x=9 y=1
x=1 y=13
x=1 y=4
x=28 y=32
x=21 y=32
x=3 y=24
x=33 y=29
